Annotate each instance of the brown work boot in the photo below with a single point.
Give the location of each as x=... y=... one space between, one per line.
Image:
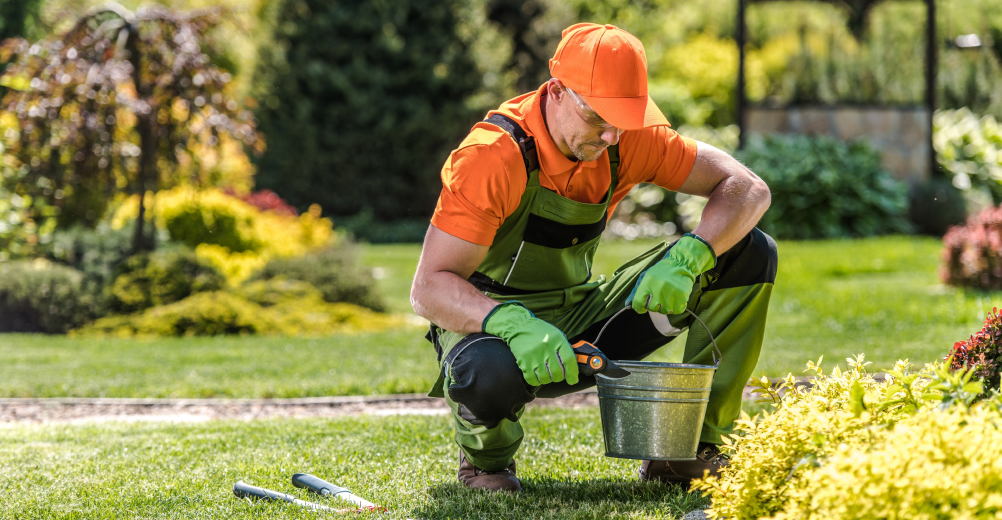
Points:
x=476 y=478
x=708 y=458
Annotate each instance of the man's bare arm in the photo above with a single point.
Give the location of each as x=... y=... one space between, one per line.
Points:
x=440 y=292
x=737 y=197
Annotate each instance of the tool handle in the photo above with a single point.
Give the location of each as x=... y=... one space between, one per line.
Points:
x=316 y=485
x=321 y=486
x=590 y=359
x=244 y=490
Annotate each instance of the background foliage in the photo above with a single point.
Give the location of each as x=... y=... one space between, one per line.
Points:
x=825 y=188
x=361 y=104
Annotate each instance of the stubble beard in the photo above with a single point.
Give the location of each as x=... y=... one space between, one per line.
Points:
x=586 y=151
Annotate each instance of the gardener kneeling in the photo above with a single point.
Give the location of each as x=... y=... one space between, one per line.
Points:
x=505 y=272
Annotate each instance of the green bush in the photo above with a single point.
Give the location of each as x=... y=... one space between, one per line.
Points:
x=40 y=296
x=161 y=277
x=826 y=188
x=334 y=271
x=362 y=102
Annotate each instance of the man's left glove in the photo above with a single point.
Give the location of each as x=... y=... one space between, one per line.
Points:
x=665 y=287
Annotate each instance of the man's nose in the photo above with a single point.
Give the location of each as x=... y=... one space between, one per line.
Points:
x=611 y=135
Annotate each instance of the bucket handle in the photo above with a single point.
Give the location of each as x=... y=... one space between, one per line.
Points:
x=717 y=358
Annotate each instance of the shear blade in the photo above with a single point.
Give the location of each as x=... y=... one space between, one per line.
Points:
x=615 y=371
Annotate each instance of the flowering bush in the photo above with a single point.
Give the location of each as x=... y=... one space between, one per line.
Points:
x=972 y=254
x=234 y=236
x=982 y=352
x=267 y=200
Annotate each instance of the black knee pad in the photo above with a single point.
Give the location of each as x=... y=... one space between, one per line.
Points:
x=486 y=381
x=753 y=260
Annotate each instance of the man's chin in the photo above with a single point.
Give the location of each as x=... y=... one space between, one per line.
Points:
x=589 y=152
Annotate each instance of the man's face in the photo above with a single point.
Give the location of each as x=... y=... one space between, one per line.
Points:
x=584 y=131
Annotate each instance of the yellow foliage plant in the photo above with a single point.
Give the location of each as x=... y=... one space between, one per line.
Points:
x=271 y=307
x=776 y=454
x=939 y=464
x=234 y=237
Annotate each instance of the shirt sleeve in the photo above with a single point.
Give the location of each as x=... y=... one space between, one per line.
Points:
x=658 y=155
x=480 y=188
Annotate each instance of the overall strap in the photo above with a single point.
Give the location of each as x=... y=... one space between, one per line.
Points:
x=614 y=161
x=526 y=144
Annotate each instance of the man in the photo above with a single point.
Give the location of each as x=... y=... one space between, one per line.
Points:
x=505 y=272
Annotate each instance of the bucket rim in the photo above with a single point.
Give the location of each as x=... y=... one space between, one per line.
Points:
x=658 y=364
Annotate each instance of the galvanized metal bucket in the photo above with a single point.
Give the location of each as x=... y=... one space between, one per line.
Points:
x=657 y=411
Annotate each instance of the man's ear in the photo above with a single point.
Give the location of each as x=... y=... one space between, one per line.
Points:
x=555 y=89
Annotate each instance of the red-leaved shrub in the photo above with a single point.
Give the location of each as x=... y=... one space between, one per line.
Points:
x=983 y=351
x=266 y=200
x=972 y=253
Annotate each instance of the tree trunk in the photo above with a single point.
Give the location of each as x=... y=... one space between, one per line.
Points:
x=147 y=142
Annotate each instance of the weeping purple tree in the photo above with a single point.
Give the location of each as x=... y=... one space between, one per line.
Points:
x=112 y=106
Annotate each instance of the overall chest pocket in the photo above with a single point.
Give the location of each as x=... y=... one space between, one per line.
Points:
x=554 y=255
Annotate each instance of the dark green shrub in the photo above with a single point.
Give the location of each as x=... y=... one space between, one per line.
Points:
x=334 y=271
x=935 y=206
x=40 y=296
x=361 y=103
x=97 y=253
x=161 y=277
x=826 y=188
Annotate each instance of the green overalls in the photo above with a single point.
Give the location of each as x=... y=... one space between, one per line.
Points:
x=542 y=256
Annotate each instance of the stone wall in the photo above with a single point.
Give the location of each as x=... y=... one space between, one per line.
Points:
x=902 y=134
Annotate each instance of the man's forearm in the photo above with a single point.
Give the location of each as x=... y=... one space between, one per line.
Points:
x=449 y=301
x=733 y=209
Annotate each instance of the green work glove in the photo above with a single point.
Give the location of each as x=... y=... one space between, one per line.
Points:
x=665 y=287
x=541 y=350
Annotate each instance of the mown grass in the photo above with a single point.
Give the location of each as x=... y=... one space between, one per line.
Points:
x=398 y=361
x=406 y=463
x=879 y=296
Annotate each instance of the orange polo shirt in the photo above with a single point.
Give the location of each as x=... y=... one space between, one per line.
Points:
x=484 y=179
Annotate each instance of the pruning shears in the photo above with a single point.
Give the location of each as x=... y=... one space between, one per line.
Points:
x=592 y=361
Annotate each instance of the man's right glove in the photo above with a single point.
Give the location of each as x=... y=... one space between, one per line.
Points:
x=665 y=287
x=541 y=350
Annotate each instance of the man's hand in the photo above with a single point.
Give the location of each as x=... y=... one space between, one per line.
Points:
x=665 y=287
x=541 y=350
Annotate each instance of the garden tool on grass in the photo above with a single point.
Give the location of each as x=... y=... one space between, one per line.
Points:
x=592 y=361
x=244 y=490
x=324 y=488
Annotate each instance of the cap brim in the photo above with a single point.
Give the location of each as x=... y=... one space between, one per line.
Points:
x=628 y=113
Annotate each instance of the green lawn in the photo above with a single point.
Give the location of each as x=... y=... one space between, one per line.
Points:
x=147 y=470
x=877 y=296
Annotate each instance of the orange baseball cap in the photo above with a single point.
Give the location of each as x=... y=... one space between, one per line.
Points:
x=607 y=66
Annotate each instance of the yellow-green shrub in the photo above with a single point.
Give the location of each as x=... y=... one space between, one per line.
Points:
x=274 y=306
x=932 y=465
x=775 y=455
x=773 y=450
x=233 y=236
